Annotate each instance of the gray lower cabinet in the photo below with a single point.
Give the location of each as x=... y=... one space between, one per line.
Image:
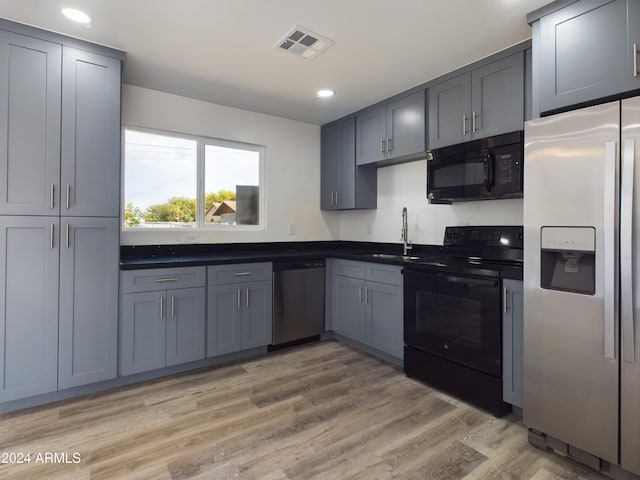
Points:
x=487 y=101
x=28 y=306
x=160 y=327
x=585 y=51
x=394 y=130
x=88 y=330
x=367 y=305
x=512 y=342
x=239 y=307
x=343 y=185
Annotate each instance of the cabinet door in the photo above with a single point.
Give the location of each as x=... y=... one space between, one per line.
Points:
x=329 y=166
x=224 y=319
x=90 y=175
x=142 y=332
x=497 y=97
x=30 y=79
x=346 y=194
x=586 y=52
x=28 y=306
x=371 y=135
x=449 y=112
x=88 y=337
x=512 y=342
x=349 y=308
x=185 y=325
x=384 y=320
x=257 y=314
x=405 y=126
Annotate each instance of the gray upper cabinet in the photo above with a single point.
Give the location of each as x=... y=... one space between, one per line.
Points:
x=344 y=186
x=88 y=332
x=90 y=173
x=28 y=306
x=449 y=104
x=30 y=103
x=487 y=101
x=586 y=51
x=395 y=130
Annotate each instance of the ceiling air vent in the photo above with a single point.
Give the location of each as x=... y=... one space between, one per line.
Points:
x=304 y=43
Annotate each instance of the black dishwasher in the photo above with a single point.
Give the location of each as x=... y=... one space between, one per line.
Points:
x=298 y=301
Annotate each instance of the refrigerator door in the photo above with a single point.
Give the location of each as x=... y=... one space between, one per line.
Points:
x=630 y=297
x=570 y=334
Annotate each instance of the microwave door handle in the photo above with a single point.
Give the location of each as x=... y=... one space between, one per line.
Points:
x=488 y=171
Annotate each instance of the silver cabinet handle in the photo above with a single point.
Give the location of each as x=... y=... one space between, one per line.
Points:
x=360 y=293
x=247 y=297
x=66 y=242
x=332 y=198
x=626 y=251
x=366 y=295
x=161 y=307
x=238 y=298
x=242 y=274
x=173 y=307
x=51 y=235
x=382 y=146
x=337 y=198
x=635 y=59
x=68 y=195
x=473 y=122
x=609 y=233
x=464 y=124
x=51 y=195
x=167 y=279
x=505 y=299
x=389 y=145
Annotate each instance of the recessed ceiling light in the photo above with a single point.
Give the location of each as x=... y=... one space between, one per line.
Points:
x=77 y=16
x=325 y=93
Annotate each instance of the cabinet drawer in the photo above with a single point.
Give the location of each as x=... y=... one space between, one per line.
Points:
x=239 y=272
x=132 y=281
x=382 y=273
x=349 y=268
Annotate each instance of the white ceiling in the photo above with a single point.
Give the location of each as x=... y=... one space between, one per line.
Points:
x=222 y=50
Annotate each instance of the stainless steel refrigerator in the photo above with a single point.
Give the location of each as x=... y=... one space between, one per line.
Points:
x=582 y=284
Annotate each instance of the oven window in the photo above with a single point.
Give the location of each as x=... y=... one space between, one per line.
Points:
x=456 y=318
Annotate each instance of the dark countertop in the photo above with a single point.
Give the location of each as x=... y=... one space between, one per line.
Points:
x=159 y=256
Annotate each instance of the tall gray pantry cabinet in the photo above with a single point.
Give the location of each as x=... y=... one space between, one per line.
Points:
x=59 y=210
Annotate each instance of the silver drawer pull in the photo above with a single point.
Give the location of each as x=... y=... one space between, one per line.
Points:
x=242 y=274
x=167 y=279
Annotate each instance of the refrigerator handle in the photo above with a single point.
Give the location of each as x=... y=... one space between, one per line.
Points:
x=626 y=251
x=609 y=232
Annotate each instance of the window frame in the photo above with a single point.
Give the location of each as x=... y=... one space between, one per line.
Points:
x=201 y=143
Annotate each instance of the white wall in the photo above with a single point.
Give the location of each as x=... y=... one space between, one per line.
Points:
x=292 y=164
x=405 y=185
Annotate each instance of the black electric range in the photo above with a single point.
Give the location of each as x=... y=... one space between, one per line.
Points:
x=452 y=313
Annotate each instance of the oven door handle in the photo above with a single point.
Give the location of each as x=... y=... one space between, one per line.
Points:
x=414 y=275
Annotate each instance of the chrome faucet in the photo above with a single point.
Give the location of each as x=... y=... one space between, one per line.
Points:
x=404 y=235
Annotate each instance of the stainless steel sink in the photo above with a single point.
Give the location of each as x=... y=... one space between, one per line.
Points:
x=393 y=256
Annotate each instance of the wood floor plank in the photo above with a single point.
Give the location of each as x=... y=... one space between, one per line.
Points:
x=319 y=411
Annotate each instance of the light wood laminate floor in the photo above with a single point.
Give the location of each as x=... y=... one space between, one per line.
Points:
x=320 y=411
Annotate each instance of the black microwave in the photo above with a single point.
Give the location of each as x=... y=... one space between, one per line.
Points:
x=483 y=169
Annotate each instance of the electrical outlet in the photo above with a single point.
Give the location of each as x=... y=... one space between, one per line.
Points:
x=292 y=229
x=369 y=228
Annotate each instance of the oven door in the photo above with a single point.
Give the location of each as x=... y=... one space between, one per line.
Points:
x=455 y=317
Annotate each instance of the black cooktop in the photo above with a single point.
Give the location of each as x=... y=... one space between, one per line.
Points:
x=488 y=251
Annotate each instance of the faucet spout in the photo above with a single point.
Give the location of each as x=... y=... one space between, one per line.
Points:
x=404 y=235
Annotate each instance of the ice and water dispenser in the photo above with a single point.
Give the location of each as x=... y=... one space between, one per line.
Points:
x=567 y=259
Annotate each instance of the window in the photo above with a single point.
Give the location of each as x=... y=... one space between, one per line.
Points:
x=176 y=181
